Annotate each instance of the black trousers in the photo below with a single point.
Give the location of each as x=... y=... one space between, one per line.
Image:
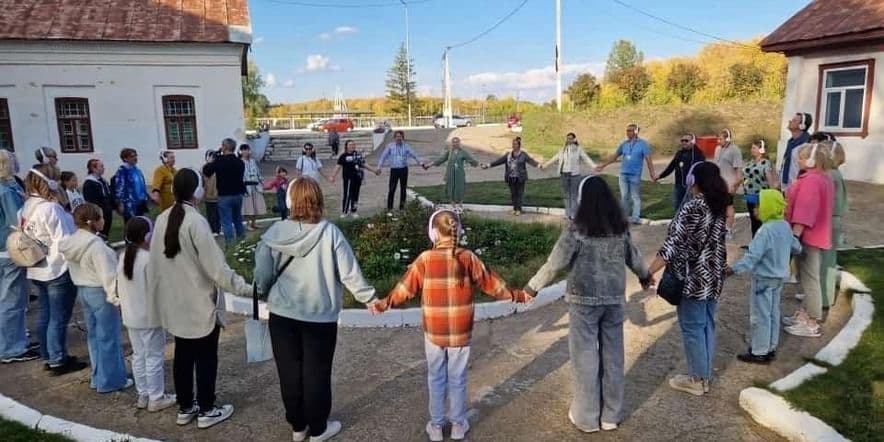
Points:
x=754 y=221
x=334 y=147
x=397 y=175
x=517 y=192
x=108 y=214
x=304 y=352
x=201 y=353
x=351 y=194
x=212 y=216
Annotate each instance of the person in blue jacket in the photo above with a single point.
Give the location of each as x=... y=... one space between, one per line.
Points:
x=129 y=188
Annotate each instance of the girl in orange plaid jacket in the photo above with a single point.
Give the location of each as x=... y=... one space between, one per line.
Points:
x=444 y=276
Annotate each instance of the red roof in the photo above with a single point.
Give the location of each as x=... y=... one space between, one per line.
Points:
x=825 y=24
x=207 y=21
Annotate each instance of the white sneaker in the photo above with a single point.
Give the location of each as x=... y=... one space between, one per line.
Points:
x=165 y=401
x=792 y=280
x=300 y=436
x=434 y=432
x=129 y=384
x=344 y=215
x=187 y=416
x=142 y=402
x=800 y=296
x=354 y=215
x=806 y=329
x=796 y=317
x=579 y=427
x=606 y=426
x=459 y=431
x=331 y=429
x=687 y=384
x=214 y=416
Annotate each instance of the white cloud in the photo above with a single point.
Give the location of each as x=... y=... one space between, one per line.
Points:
x=270 y=80
x=346 y=30
x=338 y=32
x=325 y=36
x=288 y=83
x=318 y=62
x=258 y=40
x=538 y=78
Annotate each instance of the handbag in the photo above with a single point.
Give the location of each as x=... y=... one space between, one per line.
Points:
x=670 y=287
x=23 y=250
x=259 y=346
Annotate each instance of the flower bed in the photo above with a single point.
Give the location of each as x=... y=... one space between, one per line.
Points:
x=385 y=246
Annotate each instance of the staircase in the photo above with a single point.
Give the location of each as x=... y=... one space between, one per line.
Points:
x=288 y=147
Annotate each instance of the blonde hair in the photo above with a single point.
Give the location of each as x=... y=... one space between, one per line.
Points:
x=7 y=165
x=86 y=214
x=820 y=158
x=36 y=185
x=838 y=155
x=305 y=198
x=445 y=222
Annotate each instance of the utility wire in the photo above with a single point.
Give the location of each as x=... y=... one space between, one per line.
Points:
x=494 y=26
x=680 y=26
x=347 y=5
x=614 y=16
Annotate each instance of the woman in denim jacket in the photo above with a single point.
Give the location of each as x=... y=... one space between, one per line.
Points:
x=595 y=250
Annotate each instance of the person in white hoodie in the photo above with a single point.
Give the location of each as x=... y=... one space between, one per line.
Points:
x=187 y=298
x=93 y=267
x=316 y=263
x=43 y=219
x=570 y=158
x=140 y=317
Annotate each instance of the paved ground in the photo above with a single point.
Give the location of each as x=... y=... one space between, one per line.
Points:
x=520 y=379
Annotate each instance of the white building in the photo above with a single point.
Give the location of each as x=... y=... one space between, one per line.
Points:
x=835 y=50
x=89 y=78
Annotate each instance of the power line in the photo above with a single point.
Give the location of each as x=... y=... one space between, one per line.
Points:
x=494 y=26
x=614 y=16
x=680 y=26
x=346 y=5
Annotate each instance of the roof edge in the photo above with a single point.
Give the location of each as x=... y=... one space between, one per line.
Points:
x=239 y=34
x=865 y=37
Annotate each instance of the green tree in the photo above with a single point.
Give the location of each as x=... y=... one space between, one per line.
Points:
x=684 y=80
x=400 y=83
x=634 y=82
x=583 y=91
x=491 y=98
x=623 y=57
x=745 y=80
x=255 y=103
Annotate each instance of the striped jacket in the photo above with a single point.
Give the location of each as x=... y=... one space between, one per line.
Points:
x=445 y=283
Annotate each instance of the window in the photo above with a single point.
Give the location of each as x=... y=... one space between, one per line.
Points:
x=180 y=117
x=74 y=126
x=5 y=127
x=845 y=96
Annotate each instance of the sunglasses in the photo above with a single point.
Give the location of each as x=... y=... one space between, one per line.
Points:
x=685 y=141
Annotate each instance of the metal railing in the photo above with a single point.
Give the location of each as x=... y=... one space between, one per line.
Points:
x=369 y=122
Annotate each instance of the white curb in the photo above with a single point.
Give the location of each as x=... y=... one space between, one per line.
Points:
x=409 y=317
x=776 y=413
x=14 y=411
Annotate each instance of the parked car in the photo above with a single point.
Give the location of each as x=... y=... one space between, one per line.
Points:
x=317 y=124
x=338 y=125
x=456 y=121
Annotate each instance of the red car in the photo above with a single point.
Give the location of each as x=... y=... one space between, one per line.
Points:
x=338 y=125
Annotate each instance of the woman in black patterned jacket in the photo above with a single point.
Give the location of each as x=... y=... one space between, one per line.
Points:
x=695 y=251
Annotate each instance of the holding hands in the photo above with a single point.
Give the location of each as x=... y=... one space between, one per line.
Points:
x=378 y=306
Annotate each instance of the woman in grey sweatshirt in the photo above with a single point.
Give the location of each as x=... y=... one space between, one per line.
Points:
x=595 y=249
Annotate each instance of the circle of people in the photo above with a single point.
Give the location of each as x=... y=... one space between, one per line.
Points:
x=305 y=299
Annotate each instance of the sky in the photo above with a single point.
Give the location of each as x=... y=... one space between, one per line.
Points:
x=308 y=52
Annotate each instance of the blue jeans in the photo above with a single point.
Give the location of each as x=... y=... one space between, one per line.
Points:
x=678 y=197
x=13 y=313
x=697 y=321
x=570 y=187
x=595 y=341
x=105 y=349
x=630 y=191
x=230 y=209
x=764 y=314
x=56 y=298
x=447 y=378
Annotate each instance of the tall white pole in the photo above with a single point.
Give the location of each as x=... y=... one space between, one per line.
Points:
x=408 y=59
x=446 y=108
x=559 y=55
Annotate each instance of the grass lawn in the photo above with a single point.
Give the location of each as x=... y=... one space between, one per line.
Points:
x=15 y=432
x=547 y=192
x=850 y=397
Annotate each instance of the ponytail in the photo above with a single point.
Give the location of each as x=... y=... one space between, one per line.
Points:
x=138 y=231
x=183 y=186
x=129 y=260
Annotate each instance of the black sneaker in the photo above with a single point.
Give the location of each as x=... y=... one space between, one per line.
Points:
x=70 y=365
x=34 y=346
x=47 y=367
x=28 y=355
x=750 y=358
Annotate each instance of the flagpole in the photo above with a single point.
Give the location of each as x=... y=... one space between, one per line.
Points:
x=558 y=55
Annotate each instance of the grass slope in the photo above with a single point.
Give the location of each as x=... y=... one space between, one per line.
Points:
x=850 y=397
x=15 y=432
x=547 y=192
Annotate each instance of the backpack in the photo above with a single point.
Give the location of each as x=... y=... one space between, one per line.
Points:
x=23 y=250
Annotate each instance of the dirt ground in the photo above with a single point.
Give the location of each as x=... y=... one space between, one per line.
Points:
x=520 y=379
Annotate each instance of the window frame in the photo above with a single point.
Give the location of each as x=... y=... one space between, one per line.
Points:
x=166 y=118
x=60 y=120
x=6 y=123
x=822 y=98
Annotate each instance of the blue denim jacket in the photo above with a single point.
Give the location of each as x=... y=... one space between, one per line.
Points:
x=130 y=189
x=11 y=200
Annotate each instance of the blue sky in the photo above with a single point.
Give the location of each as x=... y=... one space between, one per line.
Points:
x=307 y=52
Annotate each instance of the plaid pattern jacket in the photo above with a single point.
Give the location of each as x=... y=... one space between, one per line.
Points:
x=445 y=283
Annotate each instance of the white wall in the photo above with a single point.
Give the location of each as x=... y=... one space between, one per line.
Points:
x=124 y=83
x=865 y=156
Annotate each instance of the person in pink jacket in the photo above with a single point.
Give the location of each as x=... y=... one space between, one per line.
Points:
x=809 y=212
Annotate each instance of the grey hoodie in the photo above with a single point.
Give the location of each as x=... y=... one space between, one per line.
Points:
x=311 y=288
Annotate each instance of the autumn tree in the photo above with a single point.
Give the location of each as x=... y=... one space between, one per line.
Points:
x=624 y=68
x=684 y=80
x=255 y=103
x=583 y=91
x=745 y=80
x=400 y=83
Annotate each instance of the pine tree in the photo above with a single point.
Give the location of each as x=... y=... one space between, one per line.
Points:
x=400 y=83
